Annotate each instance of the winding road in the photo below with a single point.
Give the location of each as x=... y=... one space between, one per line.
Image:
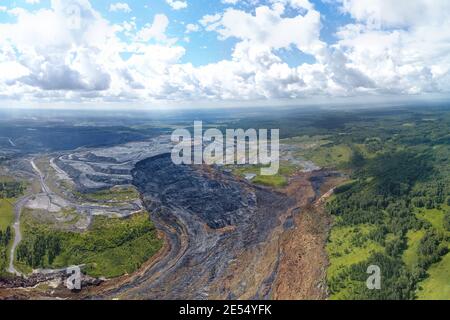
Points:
x=44 y=187
x=17 y=213
x=17 y=233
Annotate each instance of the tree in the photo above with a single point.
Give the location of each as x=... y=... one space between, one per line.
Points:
x=8 y=234
x=447 y=221
x=431 y=249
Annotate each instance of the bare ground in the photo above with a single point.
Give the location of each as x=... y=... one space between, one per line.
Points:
x=289 y=264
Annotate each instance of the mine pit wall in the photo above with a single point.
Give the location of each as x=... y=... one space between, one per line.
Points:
x=230 y=247
x=226 y=238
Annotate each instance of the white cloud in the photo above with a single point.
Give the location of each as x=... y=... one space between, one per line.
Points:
x=57 y=54
x=44 y=55
x=210 y=21
x=230 y=1
x=268 y=27
x=120 y=6
x=192 y=28
x=412 y=56
x=156 y=30
x=399 y=13
x=177 y=4
x=296 y=4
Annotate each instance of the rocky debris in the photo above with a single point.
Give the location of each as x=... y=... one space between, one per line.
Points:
x=213 y=221
x=102 y=168
x=318 y=179
x=302 y=271
x=61 y=175
x=226 y=238
x=88 y=171
x=288 y=152
x=41 y=277
x=304 y=261
x=218 y=203
x=51 y=203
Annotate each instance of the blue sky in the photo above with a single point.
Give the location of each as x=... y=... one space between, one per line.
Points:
x=243 y=51
x=203 y=47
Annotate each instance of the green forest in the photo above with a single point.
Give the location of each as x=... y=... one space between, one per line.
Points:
x=110 y=247
x=395 y=211
x=9 y=191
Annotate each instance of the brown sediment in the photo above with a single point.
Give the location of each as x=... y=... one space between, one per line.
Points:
x=231 y=250
x=273 y=248
x=304 y=261
x=303 y=264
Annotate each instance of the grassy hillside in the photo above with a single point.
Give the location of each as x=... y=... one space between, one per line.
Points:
x=329 y=156
x=395 y=213
x=277 y=181
x=110 y=248
x=6 y=213
x=437 y=285
x=411 y=254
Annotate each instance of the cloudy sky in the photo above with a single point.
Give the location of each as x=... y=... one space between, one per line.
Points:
x=235 y=52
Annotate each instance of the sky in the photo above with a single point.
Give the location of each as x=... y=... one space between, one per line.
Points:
x=159 y=53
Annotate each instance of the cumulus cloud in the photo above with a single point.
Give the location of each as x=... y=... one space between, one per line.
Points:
x=74 y=53
x=402 y=46
x=230 y=1
x=120 y=6
x=156 y=30
x=55 y=55
x=269 y=28
x=70 y=52
x=399 y=13
x=190 y=27
x=177 y=4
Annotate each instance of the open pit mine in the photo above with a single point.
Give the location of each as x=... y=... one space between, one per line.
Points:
x=224 y=237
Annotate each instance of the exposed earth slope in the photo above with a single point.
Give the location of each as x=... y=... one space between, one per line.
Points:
x=225 y=237
x=228 y=238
